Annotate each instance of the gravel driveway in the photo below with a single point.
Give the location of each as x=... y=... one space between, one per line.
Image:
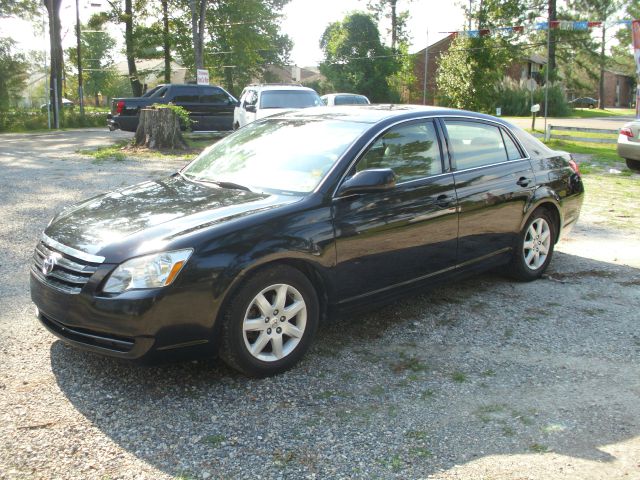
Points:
x=483 y=379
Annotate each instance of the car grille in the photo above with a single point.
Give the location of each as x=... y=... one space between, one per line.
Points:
x=69 y=273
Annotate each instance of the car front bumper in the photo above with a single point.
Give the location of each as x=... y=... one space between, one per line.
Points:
x=129 y=326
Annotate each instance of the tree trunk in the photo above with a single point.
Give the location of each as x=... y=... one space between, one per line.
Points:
x=53 y=10
x=159 y=128
x=394 y=25
x=197 y=30
x=136 y=86
x=166 y=41
x=602 y=62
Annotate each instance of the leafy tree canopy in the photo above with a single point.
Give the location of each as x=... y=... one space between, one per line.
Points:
x=354 y=58
x=241 y=38
x=13 y=73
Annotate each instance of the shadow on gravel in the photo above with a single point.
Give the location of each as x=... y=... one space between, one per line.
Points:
x=484 y=367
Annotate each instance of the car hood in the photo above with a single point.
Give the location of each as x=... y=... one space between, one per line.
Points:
x=152 y=213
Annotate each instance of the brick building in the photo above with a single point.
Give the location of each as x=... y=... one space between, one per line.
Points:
x=435 y=52
x=618 y=89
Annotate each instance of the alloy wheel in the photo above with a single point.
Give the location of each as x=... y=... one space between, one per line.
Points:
x=274 y=322
x=537 y=242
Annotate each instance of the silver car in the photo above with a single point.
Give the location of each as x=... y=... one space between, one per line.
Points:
x=629 y=144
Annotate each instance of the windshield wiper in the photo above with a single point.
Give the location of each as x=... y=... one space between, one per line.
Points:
x=223 y=184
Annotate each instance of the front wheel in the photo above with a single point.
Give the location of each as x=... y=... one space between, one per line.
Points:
x=269 y=323
x=535 y=247
x=633 y=164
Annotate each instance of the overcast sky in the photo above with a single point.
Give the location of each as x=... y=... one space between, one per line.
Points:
x=304 y=21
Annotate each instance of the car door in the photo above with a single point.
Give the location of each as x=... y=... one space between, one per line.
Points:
x=188 y=97
x=394 y=238
x=494 y=181
x=251 y=101
x=215 y=109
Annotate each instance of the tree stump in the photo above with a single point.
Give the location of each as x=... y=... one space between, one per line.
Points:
x=159 y=128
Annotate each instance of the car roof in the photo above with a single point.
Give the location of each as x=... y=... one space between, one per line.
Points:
x=379 y=112
x=279 y=87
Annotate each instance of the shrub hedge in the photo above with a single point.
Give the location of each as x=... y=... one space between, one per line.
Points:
x=28 y=120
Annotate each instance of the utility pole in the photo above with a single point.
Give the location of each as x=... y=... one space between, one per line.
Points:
x=426 y=70
x=546 y=81
x=80 y=90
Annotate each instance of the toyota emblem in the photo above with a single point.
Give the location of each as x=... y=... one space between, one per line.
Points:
x=49 y=263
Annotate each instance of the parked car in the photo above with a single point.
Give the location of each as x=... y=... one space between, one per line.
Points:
x=629 y=144
x=273 y=228
x=66 y=105
x=584 y=102
x=260 y=101
x=333 y=99
x=210 y=107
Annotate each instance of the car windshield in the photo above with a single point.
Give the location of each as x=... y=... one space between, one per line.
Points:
x=282 y=154
x=289 y=99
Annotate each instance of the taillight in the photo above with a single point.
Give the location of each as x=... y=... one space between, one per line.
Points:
x=574 y=165
x=119 y=106
x=626 y=131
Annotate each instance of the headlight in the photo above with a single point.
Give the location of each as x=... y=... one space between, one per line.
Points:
x=150 y=271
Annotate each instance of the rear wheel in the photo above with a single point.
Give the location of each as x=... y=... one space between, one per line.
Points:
x=270 y=322
x=535 y=247
x=633 y=164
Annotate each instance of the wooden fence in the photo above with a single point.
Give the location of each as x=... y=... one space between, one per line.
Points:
x=550 y=128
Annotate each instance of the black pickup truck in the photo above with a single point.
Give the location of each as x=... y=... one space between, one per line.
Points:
x=210 y=107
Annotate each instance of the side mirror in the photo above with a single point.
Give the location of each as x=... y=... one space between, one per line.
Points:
x=368 y=181
x=250 y=108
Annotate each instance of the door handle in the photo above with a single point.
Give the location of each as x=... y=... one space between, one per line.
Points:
x=444 y=201
x=523 y=181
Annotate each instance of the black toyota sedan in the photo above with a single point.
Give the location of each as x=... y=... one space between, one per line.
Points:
x=246 y=249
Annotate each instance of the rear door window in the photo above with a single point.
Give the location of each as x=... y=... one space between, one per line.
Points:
x=186 y=95
x=475 y=144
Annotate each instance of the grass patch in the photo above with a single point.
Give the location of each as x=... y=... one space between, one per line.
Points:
x=213 y=440
x=281 y=459
x=487 y=413
x=122 y=150
x=600 y=112
x=416 y=435
x=409 y=363
x=553 y=428
x=612 y=201
x=427 y=394
x=600 y=152
x=421 y=452
x=459 y=377
x=538 y=448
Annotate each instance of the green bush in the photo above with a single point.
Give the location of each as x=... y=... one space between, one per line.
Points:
x=29 y=120
x=515 y=100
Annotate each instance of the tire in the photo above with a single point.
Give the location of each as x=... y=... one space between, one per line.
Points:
x=633 y=164
x=534 y=249
x=258 y=337
x=236 y=126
